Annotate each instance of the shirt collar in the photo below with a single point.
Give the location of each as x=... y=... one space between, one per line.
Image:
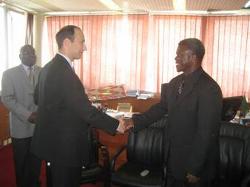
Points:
x=27 y=68
x=192 y=77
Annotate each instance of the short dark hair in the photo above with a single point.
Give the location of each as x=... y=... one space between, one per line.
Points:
x=195 y=45
x=25 y=47
x=65 y=32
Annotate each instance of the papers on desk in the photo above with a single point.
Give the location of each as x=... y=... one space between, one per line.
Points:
x=117 y=115
x=106 y=92
x=140 y=94
x=145 y=96
x=132 y=93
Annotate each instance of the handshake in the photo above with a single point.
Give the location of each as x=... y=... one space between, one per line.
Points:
x=124 y=125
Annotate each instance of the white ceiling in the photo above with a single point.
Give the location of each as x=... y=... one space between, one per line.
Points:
x=43 y=6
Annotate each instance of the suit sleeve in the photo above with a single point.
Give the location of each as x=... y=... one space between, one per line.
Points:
x=206 y=137
x=78 y=102
x=155 y=113
x=9 y=98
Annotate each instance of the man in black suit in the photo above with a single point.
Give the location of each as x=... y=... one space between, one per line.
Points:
x=193 y=103
x=65 y=113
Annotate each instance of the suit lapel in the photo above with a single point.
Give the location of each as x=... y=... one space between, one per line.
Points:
x=63 y=62
x=23 y=73
x=23 y=78
x=36 y=73
x=188 y=87
x=172 y=99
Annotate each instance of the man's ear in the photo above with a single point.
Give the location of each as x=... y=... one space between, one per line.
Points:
x=194 y=58
x=66 y=42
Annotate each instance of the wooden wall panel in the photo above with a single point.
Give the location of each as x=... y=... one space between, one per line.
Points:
x=4 y=125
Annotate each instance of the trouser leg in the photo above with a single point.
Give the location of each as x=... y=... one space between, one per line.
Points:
x=20 y=154
x=63 y=176
x=34 y=170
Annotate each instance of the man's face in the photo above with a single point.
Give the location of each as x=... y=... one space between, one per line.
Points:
x=28 y=55
x=77 y=47
x=184 y=60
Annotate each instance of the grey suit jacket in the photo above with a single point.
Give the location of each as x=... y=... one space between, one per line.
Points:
x=17 y=96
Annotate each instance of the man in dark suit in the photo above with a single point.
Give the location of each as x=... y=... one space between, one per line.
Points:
x=65 y=113
x=193 y=103
x=17 y=95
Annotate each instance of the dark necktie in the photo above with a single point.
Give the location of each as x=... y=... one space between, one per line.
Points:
x=180 y=88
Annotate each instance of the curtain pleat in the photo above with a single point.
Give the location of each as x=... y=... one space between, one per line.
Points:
x=29 y=29
x=139 y=51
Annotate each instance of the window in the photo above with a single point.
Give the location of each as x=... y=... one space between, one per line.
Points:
x=12 y=26
x=3 y=51
x=16 y=22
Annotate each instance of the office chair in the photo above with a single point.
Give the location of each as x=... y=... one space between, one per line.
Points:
x=94 y=171
x=234 y=166
x=230 y=107
x=145 y=158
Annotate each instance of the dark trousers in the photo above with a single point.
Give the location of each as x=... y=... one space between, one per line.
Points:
x=172 y=182
x=27 y=165
x=64 y=176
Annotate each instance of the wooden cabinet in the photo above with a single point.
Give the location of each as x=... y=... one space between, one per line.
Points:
x=4 y=125
x=115 y=142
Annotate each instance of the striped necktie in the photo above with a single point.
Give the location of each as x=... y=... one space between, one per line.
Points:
x=180 y=88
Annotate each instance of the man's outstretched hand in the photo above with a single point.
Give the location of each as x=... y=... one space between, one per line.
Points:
x=124 y=125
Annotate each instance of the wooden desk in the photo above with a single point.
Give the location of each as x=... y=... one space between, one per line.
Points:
x=115 y=142
x=139 y=105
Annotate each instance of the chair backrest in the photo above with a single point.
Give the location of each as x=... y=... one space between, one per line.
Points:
x=230 y=107
x=234 y=152
x=146 y=146
x=96 y=171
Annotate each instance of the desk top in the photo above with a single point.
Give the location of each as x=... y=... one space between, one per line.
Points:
x=139 y=105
